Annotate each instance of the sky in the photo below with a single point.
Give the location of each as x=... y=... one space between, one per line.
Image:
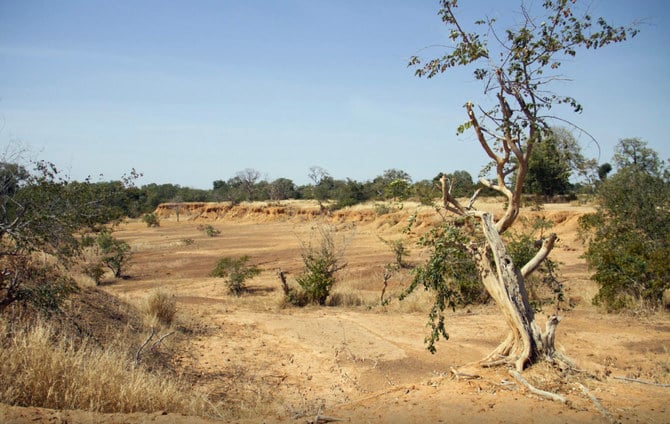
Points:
x=192 y=92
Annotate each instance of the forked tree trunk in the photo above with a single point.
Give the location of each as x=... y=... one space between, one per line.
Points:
x=526 y=343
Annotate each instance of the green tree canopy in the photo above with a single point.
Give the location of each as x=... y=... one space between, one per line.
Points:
x=629 y=236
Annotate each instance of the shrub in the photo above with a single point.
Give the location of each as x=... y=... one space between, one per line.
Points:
x=236 y=272
x=382 y=209
x=95 y=271
x=151 y=220
x=629 y=236
x=41 y=285
x=209 y=230
x=320 y=265
x=162 y=306
x=399 y=249
x=115 y=253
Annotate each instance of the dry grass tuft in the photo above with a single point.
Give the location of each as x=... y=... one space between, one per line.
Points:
x=39 y=369
x=161 y=306
x=345 y=297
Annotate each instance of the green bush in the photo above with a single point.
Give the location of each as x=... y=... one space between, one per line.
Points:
x=115 y=253
x=236 y=272
x=449 y=273
x=151 y=220
x=629 y=235
x=320 y=262
x=209 y=230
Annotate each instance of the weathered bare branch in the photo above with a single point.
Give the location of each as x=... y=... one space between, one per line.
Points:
x=541 y=255
x=635 y=380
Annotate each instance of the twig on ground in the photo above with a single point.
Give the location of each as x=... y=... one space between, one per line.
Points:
x=604 y=412
x=635 y=380
x=323 y=418
x=535 y=390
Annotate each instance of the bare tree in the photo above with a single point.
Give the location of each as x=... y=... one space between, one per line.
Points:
x=248 y=179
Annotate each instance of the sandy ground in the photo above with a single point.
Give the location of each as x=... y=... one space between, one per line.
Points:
x=363 y=362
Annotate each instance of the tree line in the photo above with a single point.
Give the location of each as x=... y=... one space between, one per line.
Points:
x=556 y=168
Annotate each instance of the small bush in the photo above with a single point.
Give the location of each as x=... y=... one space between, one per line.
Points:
x=115 y=253
x=320 y=265
x=345 y=298
x=162 y=306
x=151 y=220
x=382 y=209
x=236 y=272
x=95 y=271
x=209 y=230
x=399 y=249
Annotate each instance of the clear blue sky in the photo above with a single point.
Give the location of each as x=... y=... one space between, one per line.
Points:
x=192 y=92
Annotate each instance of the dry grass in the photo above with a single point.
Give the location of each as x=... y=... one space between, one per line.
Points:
x=36 y=369
x=161 y=306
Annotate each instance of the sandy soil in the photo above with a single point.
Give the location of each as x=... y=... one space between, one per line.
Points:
x=363 y=362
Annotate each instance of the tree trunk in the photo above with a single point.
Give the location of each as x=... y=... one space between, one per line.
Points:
x=526 y=343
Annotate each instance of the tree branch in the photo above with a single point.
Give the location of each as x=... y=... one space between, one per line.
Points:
x=541 y=255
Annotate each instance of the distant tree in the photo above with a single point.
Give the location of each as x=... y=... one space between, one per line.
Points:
x=555 y=161
x=629 y=235
x=115 y=253
x=426 y=191
x=571 y=153
x=350 y=193
x=323 y=184
x=247 y=179
x=548 y=173
x=392 y=184
x=516 y=68
x=634 y=153
x=460 y=182
x=282 y=189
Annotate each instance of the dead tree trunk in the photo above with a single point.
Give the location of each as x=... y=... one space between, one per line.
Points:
x=525 y=343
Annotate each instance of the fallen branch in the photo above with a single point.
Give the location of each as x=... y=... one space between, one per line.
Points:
x=146 y=342
x=535 y=390
x=604 y=412
x=323 y=418
x=157 y=342
x=138 y=355
x=634 y=380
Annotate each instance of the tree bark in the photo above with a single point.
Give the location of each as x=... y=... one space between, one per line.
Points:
x=526 y=343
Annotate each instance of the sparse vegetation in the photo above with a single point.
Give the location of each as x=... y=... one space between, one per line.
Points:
x=162 y=306
x=236 y=272
x=115 y=254
x=209 y=230
x=399 y=249
x=151 y=220
x=629 y=237
x=37 y=368
x=321 y=262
